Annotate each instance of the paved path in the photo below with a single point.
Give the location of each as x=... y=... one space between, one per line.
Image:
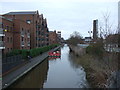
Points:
x=11 y=77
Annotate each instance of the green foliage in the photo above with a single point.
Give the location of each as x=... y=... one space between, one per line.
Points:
x=14 y=52
x=37 y=51
x=24 y=53
x=95 y=49
x=33 y=52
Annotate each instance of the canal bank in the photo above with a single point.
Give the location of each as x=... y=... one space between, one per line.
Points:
x=60 y=72
x=13 y=76
x=98 y=69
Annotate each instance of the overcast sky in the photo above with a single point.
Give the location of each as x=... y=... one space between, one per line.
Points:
x=67 y=15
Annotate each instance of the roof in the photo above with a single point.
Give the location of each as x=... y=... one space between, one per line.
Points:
x=5 y=18
x=22 y=12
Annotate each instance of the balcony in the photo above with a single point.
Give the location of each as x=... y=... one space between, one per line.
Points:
x=1 y=32
x=28 y=43
x=2 y=45
x=22 y=43
x=28 y=35
x=22 y=34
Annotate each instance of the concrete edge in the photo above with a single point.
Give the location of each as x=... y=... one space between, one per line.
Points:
x=25 y=72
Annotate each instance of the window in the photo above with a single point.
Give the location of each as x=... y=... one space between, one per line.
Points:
x=39 y=33
x=8 y=49
x=11 y=28
x=7 y=39
x=28 y=21
x=11 y=39
x=22 y=38
x=7 y=27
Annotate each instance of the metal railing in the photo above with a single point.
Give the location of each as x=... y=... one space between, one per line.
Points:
x=1 y=32
x=22 y=34
x=28 y=35
x=1 y=45
x=28 y=43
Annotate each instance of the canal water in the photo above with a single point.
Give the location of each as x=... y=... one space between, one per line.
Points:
x=60 y=72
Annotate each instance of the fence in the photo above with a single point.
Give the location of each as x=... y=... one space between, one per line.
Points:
x=11 y=62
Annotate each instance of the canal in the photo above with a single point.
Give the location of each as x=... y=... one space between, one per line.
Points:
x=61 y=72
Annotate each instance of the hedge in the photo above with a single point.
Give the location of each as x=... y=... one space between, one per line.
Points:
x=32 y=52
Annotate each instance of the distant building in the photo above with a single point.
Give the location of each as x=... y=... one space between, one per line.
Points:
x=53 y=37
x=87 y=40
x=95 y=30
x=43 y=33
x=59 y=36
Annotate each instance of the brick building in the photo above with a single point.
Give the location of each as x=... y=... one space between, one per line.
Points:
x=43 y=32
x=53 y=39
x=21 y=34
x=16 y=34
x=59 y=37
x=38 y=26
x=7 y=29
x=29 y=17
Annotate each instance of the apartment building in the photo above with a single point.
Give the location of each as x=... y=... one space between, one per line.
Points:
x=21 y=34
x=29 y=17
x=7 y=34
x=59 y=36
x=38 y=26
x=15 y=34
x=43 y=32
x=53 y=38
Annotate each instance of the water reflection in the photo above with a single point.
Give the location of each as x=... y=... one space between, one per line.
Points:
x=35 y=78
x=74 y=62
x=64 y=72
x=55 y=57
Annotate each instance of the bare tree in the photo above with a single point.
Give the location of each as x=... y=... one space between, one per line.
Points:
x=105 y=28
x=75 y=38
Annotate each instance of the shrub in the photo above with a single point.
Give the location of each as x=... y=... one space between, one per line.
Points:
x=14 y=52
x=96 y=49
x=33 y=52
x=24 y=53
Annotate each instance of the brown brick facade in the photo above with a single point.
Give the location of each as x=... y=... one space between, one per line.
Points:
x=39 y=30
x=53 y=37
x=7 y=26
x=13 y=38
x=28 y=30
